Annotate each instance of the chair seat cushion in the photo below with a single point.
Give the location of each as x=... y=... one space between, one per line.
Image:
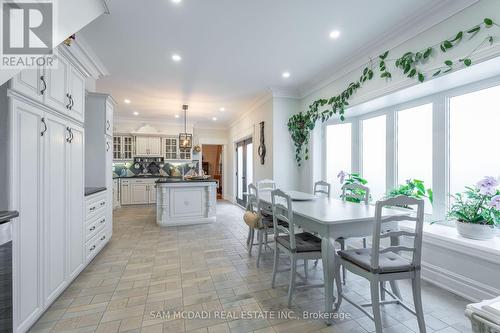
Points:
x=304 y=242
x=267 y=220
x=389 y=262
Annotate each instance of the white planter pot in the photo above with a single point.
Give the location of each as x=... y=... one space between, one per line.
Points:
x=476 y=231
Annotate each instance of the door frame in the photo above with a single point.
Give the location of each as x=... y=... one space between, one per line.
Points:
x=242 y=143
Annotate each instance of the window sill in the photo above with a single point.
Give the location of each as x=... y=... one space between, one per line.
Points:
x=447 y=237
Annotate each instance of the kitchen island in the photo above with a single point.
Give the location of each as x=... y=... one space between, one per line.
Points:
x=184 y=202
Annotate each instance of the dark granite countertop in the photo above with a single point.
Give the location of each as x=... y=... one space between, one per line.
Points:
x=139 y=176
x=6 y=216
x=180 y=180
x=94 y=190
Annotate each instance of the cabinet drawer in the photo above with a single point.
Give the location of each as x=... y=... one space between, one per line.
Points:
x=95 y=244
x=95 y=204
x=94 y=226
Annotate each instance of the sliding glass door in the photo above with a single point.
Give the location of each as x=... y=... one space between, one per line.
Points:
x=244 y=169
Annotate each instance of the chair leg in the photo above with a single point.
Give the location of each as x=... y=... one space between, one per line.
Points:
x=395 y=289
x=377 y=318
x=250 y=245
x=275 y=265
x=293 y=274
x=265 y=239
x=342 y=248
x=305 y=269
x=364 y=242
x=417 y=301
x=260 y=236
x=382 y=291
x=249 y=234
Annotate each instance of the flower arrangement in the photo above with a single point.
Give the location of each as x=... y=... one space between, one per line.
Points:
x=479 y=204
x=352 y=178
x=412 y=188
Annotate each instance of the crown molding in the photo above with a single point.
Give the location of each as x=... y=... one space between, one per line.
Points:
x=152 y=120
x=84 y=58
x=282 y=92
x=409 y=28
x=257 y=102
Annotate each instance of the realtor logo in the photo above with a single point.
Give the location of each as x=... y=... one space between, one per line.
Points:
x=27 y=28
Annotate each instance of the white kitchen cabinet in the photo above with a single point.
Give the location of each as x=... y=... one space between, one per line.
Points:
x=55 y=205
x=109 y=117
x=76 y=82
x=148 y=146
x=116 y=193
x=57 y=95
x=26 y=193
x=75 y=207
x=30 y=82
x=122 y=147
x=138 y=193
x=125 y=192
x=152 y=193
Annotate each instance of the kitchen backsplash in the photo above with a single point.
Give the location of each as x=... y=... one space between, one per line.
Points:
x=130 y=169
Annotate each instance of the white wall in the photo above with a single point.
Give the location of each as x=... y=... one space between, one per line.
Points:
x=247 y=126
x=379 y=87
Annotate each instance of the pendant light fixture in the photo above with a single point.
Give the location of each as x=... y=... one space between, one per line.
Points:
x=185 y=139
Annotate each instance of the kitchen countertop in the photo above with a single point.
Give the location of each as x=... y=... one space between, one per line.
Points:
x=94 y=190
x=6 y=216
x=180 y=180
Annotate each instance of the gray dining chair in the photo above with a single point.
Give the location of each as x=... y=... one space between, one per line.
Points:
x=264 y=185
x=297 y=246
x=322 y=188
x=380 y=265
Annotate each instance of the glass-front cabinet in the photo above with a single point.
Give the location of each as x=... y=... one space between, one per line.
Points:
x=123 y=147
x=172 y=150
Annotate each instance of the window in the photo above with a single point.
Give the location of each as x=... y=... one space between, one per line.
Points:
x=474 y=125
x=338 y=153
x=414 y=142
x=374 y=155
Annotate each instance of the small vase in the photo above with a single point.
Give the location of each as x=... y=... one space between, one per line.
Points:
x=476 y=231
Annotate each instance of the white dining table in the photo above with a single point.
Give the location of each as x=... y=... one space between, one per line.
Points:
x=331 y=219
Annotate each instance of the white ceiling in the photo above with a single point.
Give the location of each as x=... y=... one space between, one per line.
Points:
x=232 y=50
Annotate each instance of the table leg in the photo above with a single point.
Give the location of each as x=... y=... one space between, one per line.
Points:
x=327 y=252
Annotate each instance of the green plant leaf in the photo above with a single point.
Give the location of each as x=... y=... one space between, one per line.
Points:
x=412 y=72
x=488 y=22
x=447 y=44
x=448 y=63
x=436 y=73
x=490 y=39
x=467 y=62
x=383 y=56
x=442 y=48
x=427 y=53
x=474 y=30
x=421 y=77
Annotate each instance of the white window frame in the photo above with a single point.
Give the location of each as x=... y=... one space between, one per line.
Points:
x=440 y=141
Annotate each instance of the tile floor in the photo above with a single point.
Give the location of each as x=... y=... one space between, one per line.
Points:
x=145 y=272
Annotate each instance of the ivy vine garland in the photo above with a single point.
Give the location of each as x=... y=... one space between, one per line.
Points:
x=301 y=124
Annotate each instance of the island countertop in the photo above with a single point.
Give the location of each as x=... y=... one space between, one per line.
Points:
x=180 y=180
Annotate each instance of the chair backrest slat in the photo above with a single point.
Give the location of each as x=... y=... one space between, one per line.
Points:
x=253 y=199
x=322 y=188
x=396 y=218
x=416 y=247
x=282 y=211
x=397 y=234
x=266 y=185
x=354 y=186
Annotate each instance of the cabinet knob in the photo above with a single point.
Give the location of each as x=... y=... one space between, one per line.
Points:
x=92 y=208
x=92 y=248
x=103 y=203
x=92 y=229
x=103 y=237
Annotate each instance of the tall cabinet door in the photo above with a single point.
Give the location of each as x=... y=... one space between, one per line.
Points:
x=57 y=94
x=26 y=185
x=54 y=203
x=75 y=202
x=109 y=185
x=77 y=94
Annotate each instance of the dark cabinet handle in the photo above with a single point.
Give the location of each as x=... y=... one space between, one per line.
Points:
x=103 y=203
x=69 y=100
x=108 y=125
x=92 y=208
x=44 y=127
x=92 y=248
x=72 y=136
x=103 y=238
x=42 y=78
x=92 y=229
x=102 y=221
x=107 y=146
x=69 y=138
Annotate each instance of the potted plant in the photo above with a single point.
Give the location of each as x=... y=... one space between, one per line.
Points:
x=352 y=178
x=412 y=188
x=477 y=210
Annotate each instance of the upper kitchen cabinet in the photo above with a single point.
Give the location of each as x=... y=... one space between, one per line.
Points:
x=30 y=82
x=148 y=146
x=61 y=88
x=123 y=147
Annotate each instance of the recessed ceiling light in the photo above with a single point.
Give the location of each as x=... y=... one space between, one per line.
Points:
x=176 y=1
x=176 y=57
x=222 y=109
x=286 y=75
x=334 y=34
x=214 y=118
x=127 y=101
x=176 y=116
x=135 y=113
